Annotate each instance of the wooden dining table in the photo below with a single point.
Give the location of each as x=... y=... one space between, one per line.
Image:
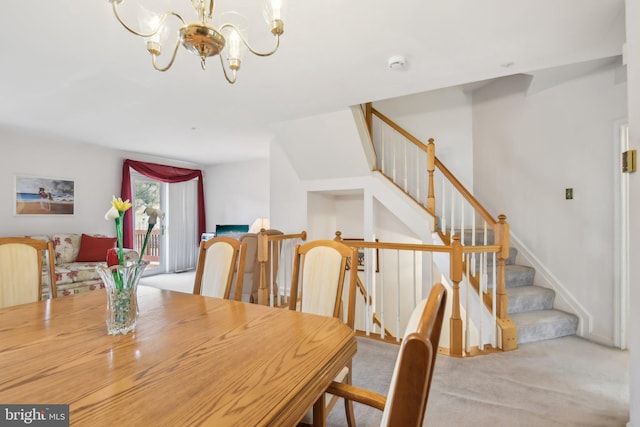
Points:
x=191 y=361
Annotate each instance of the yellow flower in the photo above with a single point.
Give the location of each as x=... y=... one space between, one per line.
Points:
x=120 y=205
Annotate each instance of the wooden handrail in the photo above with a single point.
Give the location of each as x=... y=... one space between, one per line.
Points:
x=398 y=129
x=274 y=238
x=467 y=195
x=454 y=181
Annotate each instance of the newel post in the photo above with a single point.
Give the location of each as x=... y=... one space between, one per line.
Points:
x=431 y=167
x=502 y=239
x=263 y=256
x=455 y=322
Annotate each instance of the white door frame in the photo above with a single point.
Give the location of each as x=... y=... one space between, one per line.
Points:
x=162 y=267
x=621 y=238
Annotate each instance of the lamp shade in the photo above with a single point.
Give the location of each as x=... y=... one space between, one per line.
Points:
x=259 y=224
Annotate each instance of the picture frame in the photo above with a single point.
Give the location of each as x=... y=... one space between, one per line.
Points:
x=361 y=262
x=36 y=195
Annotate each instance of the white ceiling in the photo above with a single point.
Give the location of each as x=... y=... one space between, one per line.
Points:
x=69 y=70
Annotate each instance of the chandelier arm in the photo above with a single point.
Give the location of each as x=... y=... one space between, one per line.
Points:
x=212 y=6
x=224 y=70
x=173 y=57
x=137 y=33
x=246 y=43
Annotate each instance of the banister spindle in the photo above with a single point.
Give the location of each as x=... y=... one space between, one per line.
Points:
x=467 y=303
x=382 y=328
x=383 y=166
x=453 y=210
x=394 y=146
x=443 y=215
x=481 y=286
x=462 y=223
x=405 y=167
x=494 y=312
x=398 y=330
x=418 y=174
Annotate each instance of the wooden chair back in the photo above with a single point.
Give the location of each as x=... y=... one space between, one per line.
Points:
x=317 y=285
x=217 y=261
x=409 y=390
x=252 y=265
x=317 y=282
x=21 y=270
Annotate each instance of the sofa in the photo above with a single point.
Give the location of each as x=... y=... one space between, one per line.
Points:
x=77 y=256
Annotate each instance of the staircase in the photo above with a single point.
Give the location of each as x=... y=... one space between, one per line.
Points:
x=531 y=306
x=413 y=168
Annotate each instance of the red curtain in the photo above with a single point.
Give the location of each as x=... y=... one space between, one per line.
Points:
x=161 y=173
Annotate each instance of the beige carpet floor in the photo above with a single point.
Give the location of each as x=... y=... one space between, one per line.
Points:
x=180 y=282
x=561 y=382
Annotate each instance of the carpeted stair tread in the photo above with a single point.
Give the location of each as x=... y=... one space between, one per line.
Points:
x=544 y=324
x=467 y=236
x=514 y=275
x=529 y=298
x=513 y=253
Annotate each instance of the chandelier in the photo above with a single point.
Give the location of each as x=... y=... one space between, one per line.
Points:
x=203 y=39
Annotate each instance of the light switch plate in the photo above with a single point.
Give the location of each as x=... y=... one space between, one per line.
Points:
x=568 y=193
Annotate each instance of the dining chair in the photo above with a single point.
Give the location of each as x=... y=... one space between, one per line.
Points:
x=406 y=402
x=252 y=265
x=217 y=259
x=317 y=286
x=21 y=270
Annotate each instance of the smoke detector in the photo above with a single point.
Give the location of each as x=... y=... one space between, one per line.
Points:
x=397 y=62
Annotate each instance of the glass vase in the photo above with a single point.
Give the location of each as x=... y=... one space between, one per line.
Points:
x=121 y=283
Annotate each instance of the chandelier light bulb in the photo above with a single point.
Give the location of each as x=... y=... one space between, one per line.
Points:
x=234 y=44
x=276 y=7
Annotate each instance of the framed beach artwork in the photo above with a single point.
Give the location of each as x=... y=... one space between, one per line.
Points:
x=361 y=263
x=43 y=196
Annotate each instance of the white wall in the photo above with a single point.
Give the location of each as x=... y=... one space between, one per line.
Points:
x=528 y=149
x=237 y=193
x=444 y=115
x=321 y=218
x=633 y=75
x=288 y=198
x=350 y=216
x=324 y=146
x=96 y=173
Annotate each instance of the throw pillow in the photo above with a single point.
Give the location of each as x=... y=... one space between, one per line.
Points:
x=94 y=248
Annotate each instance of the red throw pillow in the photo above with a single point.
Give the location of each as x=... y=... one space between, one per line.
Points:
x=94 y=248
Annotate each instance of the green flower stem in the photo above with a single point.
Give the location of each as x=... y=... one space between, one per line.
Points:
x=119 y=233
x=117 y=276
x=146 y=240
